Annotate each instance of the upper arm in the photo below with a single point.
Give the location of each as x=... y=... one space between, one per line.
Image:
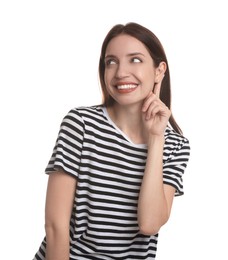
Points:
x=175 y=160
x=59 y=199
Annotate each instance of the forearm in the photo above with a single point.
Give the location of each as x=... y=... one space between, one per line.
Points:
x=57 y=243
x=59 y=203
x=152 y=205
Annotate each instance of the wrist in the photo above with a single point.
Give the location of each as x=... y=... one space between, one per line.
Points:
x=156 y=139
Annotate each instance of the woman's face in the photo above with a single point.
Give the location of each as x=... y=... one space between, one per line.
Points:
x=129 y=70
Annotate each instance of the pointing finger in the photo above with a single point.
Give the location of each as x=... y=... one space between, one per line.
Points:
x=157 y=88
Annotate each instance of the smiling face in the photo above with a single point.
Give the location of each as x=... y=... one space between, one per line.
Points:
x=130 y=73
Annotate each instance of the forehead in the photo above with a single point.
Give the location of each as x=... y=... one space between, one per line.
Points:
x=125 y=44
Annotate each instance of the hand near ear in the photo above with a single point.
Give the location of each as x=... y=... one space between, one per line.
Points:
x=155 y=113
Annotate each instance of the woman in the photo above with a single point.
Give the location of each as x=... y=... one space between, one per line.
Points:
x=116 y=167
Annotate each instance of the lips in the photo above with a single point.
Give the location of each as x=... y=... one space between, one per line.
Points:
x=126 y=86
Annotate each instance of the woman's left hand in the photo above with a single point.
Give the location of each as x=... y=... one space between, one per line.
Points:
x=155 y=113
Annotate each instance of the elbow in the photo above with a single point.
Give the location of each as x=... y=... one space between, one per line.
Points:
x=52 y=228
x=149 y=230
x=50 y=224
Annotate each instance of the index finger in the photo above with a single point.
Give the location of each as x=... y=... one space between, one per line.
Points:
x=157 y=89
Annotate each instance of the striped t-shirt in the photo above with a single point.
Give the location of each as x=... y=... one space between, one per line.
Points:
x=109 y=169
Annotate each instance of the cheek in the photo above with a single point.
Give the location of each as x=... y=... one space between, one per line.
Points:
x=107 y=81
x=150 y=75
x=105 y=78
x=108 y=76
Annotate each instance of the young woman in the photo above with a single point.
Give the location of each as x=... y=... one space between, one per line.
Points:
x=116 y=167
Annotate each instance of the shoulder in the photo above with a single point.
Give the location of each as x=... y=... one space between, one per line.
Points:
x=173 y=137
x=91 y=111
x=85 y=115
x=175 y=144
x=85 y=111
x=78 y=119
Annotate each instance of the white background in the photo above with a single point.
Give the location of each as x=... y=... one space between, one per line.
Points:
x=49 y=53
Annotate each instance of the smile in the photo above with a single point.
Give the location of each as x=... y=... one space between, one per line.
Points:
x=127 y=86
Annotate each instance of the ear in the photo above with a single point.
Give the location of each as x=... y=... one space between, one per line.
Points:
x=160 y=72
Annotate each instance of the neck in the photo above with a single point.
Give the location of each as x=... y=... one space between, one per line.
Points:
x=129 y=120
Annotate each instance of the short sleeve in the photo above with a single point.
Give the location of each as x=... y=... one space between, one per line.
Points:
x=67 y=151
x=175 y=160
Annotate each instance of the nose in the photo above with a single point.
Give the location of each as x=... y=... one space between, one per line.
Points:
x=122 y=70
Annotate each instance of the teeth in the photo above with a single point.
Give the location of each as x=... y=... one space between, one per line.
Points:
x=127 y=86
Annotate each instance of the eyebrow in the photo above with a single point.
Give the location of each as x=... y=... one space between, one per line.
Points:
x=129 y=55
x=135 y=54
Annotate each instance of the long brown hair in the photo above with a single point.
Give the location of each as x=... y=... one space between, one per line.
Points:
x=156 y=50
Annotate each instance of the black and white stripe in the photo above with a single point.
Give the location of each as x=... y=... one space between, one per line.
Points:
x=109 y=170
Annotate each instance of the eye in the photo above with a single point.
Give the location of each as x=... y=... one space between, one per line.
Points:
x=136 y=60
x=110 y=62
